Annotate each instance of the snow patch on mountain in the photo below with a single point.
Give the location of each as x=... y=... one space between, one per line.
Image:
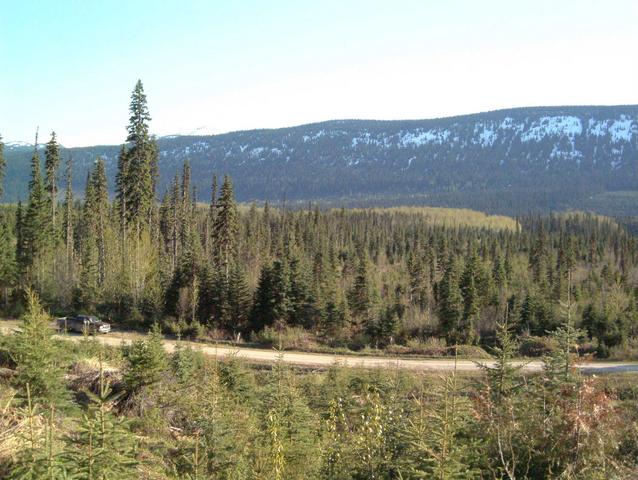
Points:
x=487 y=137
x=366 y=139
x=420 y=137
x=256 y=152
x=561 y=125
x=508 y=124
x=597 y=128
x=621 y=130
x=309 y=138
x=570 y=154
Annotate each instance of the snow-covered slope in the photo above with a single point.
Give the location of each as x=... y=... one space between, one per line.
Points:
x=531 y=150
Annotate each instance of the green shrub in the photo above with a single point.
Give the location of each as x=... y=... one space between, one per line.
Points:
x=185 y=361
x=146 y=361
x=628 y=350
x=531 y=346
x=360 y=341
x=135 y=318
x=287 y=338
x=431 y=346
x=37 y=355
x=469 y=351
x=173 y=326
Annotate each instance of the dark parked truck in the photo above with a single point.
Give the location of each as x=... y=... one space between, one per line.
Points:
x=88 y=324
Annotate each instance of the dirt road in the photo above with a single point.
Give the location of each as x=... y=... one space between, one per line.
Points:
x=325 y=360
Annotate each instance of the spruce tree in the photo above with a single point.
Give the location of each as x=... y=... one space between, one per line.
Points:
x=239 y=298
x=172 y=222
x=538 y=259
x=135 y=187
x=388 y=323
x=137 y=164
x=146 y=360
x=212 y=215
x=96 y=215
x=7 y=258
x=301 y=302
x=34 y=227
x=52 y=163
x=451 y=303
x=501 y=408
x=335 y=318
x=359 y=297
x=86 y=294
x=21 y=249
x=165 y=223
x=103 y=446
x=122 y=185
x=288 y=426
x=471 y=300
x=37 y=356
x=68 y=220
x=418 y=281
x=272 y=298
x=443 y=453
x=501 y=376
x=39 y=456
x=262 y=312
x=559 y=366
x=225 y=228
x=499 y=274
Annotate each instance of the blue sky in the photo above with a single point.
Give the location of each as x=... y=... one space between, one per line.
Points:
x=213 y=66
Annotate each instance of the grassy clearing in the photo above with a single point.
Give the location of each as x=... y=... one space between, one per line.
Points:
x=450 y=217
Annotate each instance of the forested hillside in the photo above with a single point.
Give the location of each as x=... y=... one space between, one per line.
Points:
x=507 y=161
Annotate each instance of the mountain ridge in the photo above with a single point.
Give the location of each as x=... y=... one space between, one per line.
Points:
x=551 y=157
x=24 y=143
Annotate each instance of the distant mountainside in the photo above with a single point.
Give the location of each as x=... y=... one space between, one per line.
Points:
x=504 y=161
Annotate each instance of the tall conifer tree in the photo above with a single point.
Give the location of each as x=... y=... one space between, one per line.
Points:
x=21 y=252
x=68 y=219
x=7 y=259
x=52 y=163
x=451 y=302
x=35 y=220
x=225 y=228
x=137 y=164
x=122 y=189
x=96 y=214
x=359 y=298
